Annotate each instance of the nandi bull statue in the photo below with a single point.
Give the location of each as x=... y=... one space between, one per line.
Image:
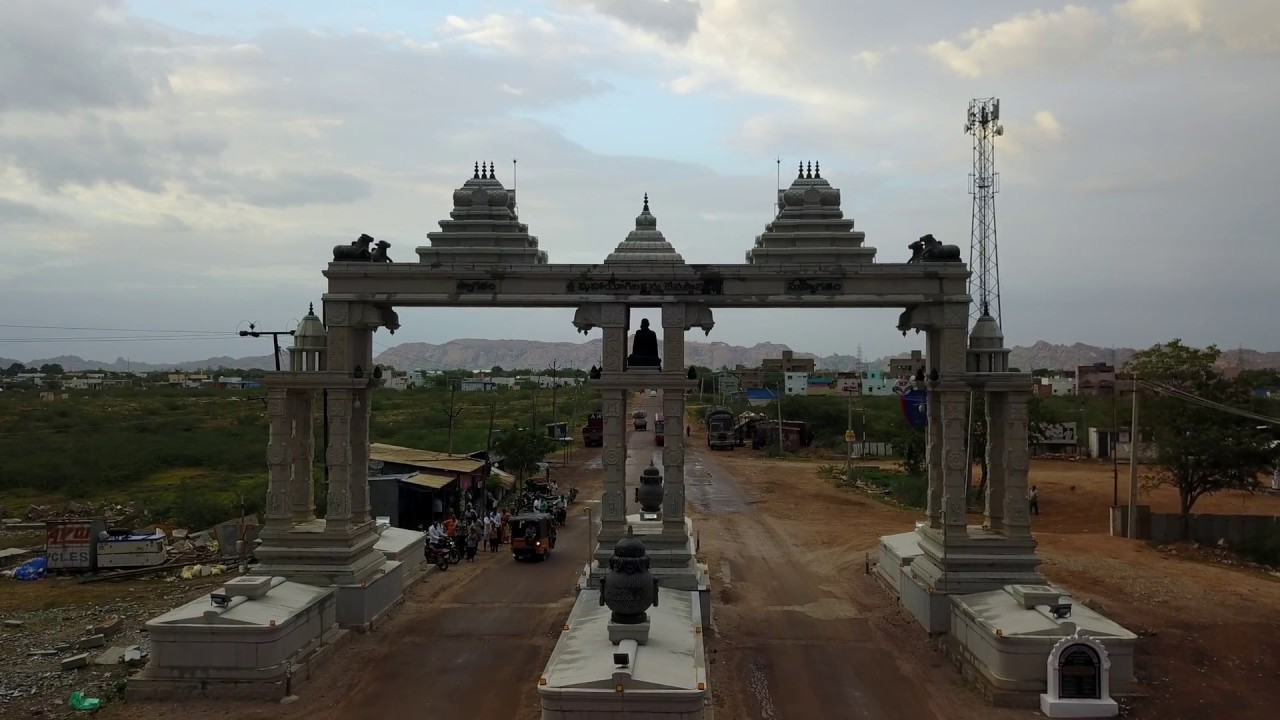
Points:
x=929 y=249
x=358 y=250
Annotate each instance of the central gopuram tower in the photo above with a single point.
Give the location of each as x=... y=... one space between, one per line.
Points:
x=670 y=542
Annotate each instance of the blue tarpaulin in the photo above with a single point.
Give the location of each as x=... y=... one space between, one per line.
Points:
x=915 y=408
x=33 y=569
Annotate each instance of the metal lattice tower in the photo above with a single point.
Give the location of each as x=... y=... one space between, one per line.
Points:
x=983 y=123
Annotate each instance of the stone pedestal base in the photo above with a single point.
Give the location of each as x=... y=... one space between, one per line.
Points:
x=310 y=553
x=406 y=546
x=639 y=632
x=976 y=562
x=663 y=679
x=361 y=607
x=241 y=649
x=671 y=553
x=1078 y=708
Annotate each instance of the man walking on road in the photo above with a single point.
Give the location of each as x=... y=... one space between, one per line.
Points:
x=1033 y=500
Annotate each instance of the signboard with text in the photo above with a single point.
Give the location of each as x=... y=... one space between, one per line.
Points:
x=70 y=544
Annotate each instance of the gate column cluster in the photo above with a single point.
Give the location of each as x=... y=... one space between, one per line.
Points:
x=337 y=362
x=955 y=558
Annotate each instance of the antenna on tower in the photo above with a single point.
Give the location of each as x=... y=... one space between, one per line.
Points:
x=983 y=123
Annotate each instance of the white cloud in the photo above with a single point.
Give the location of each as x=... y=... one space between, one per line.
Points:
x=1048 y=125
x=1026 y=42
x=1236 y=25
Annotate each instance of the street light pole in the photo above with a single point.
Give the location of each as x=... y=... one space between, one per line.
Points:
x=1133 y=463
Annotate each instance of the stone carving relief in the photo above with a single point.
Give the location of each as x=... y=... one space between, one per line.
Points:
x=276 y=405
x=954 y=347
x=337 y=348
x=277 y=454
x=673 y=316
x=615 y=339
x=336 y=314
x=673 y=457
x=339 y=503
x=1016 y=459
x=673 y=502
x=338 y=456
x=955 y=460
x=955 y=511
x=612 y=505
x=612 y=457
x=613 y=315
x=955 y=315
x=276 y=506
x=613 y=408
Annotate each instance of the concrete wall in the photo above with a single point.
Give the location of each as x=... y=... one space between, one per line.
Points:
x=1167 y=527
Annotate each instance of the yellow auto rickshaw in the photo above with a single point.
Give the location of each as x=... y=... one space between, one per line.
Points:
x=533 y=535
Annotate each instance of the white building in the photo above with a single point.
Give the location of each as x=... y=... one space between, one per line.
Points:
x=547 y=381
x=1058 y=385
x=795 y=383
x=874 y=383
x=476 y=385
x=503 y=382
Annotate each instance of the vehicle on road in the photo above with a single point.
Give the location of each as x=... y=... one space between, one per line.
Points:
x=533 y=536
x=720 y=434
x=443 y=554
x=659 y=429
x=593 y=431
x=640 y=420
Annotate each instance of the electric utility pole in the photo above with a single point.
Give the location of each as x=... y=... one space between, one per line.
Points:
x=253 y=331
x=554 y=387
x=452 y=413
x=1133 y=461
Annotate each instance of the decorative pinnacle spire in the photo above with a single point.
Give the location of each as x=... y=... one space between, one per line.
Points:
x=809 y=172
x=817 y=170
x=484 y=172
x=311 y=308
x=801 y=175
x=476 y=176
x=646 y=202
x=493 y=175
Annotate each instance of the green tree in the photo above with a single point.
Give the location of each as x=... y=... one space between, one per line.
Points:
x=1200 y=450
x=521 y=450
x=51 y=369
x=14 y=369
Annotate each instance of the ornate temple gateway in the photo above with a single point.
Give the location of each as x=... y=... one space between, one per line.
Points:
x=810 y=255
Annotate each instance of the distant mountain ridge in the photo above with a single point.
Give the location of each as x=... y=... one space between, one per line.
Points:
x=482 y=354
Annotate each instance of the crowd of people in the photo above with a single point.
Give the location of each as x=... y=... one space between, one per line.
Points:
x=471 y=532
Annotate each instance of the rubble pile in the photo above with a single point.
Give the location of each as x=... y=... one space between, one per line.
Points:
x=47 y=654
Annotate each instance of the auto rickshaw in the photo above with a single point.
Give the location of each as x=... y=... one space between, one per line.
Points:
x=533 y=535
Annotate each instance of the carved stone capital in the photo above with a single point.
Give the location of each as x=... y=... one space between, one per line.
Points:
x=673 y=315
x=613 y=315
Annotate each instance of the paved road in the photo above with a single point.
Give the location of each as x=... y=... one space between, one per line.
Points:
x=793 y=642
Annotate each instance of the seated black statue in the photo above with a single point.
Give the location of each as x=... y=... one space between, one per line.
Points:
x=644 y=350
x=930 y=249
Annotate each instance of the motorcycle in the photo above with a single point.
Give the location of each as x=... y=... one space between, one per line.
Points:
x=446 y=551
x=438 y=555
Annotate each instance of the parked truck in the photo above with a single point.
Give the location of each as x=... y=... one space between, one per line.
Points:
x=720 y=435
x=593 y=431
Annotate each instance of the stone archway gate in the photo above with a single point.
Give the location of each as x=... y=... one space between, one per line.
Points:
x=809 y=256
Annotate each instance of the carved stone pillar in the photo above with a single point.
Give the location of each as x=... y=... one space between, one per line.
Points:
x=361 y=405
x=613 y=512
x=302 y=448
x=953 y=341
x=1016 y=464
x=997 y=443
x=933 y=436
x=278 y=515
x=613 y=324
x=673 y=327
x=338 y=507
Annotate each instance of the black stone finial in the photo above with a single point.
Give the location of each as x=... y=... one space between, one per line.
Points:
x=476 y=170
x=311 y=308
x=808 y=175
x=493 y=173
x=801 y=175
x=646 y=202
x=484 y=171
x=817 y=170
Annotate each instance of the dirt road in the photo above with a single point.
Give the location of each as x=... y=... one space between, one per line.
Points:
x=801 y=631
x=468 y=642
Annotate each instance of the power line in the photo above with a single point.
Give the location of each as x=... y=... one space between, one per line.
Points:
x=104 y=329
x=117 y=339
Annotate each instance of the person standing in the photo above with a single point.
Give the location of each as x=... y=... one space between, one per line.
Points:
x=505 y=527
x=472 y=540
x=1033 y=500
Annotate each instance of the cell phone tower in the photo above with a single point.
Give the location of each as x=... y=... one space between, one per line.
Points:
x=983 y=123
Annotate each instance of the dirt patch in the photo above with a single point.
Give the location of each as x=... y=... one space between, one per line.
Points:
x=1209 y=636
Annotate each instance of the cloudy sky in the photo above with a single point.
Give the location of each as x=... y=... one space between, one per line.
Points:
x=180 y=165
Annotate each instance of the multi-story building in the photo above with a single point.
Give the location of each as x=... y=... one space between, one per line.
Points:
x=1053 y=386
x=795 y=383
x=788 y=363
x=906 y=366
x=849 y=383
x=874 y=382
x=1102 y=380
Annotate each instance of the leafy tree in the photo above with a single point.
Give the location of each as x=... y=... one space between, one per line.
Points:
x=51 y=369
x=14 y=369
x=521 y=450
x=1200 y=450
